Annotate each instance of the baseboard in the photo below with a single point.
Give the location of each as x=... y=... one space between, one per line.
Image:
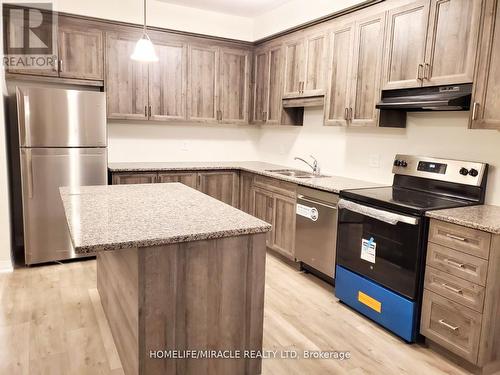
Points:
x=5 y=266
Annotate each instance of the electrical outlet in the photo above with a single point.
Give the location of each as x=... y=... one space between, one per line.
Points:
x=185 y=146
x=374 y=160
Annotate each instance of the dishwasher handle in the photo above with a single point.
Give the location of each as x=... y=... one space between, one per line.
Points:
x=306 y=199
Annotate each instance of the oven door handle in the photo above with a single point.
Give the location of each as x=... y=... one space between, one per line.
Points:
x=385 y=216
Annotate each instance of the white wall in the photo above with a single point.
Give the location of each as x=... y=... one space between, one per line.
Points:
x=160 y=14
x=296 y=12
x=356 y=152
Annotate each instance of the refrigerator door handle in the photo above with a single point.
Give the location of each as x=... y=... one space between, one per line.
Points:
x=21 y=116
x=29 y=173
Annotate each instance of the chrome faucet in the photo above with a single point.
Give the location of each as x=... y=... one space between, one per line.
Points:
x=314 y=166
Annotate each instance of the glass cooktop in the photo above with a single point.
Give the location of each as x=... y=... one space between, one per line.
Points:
x=403 y=200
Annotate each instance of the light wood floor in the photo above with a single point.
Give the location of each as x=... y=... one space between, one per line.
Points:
x=52 y=322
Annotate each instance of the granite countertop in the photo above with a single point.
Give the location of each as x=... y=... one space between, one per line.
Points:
x=125 y=216
x=333 y=184
x=485 y=218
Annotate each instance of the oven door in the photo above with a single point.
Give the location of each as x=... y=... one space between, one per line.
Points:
x=380 y=245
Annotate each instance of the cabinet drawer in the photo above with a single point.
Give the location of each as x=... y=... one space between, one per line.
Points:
x=458 y=264
x=468 y=240
x=455 y=288
x=455 y=327
x=275 y=185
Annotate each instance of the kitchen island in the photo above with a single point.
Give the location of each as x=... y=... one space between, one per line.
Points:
x=179 y=274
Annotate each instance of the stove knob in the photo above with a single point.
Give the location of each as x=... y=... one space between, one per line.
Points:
x=473 y=172
x=404 y=164
x=464 y=171
x=397 y=163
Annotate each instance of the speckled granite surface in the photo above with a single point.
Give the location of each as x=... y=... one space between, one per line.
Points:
x=485 y=218
x=124 y=216
x=332 y=184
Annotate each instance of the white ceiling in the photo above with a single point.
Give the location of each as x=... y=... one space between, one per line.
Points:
x=248 y=8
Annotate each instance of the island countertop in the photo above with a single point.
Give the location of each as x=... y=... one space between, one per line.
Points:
x=124 y=216
x=332 y=184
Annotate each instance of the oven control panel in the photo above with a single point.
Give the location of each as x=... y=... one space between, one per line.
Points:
x=456 y=171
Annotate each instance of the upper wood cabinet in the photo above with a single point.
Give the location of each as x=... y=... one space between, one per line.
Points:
x=234 y=83
x=431 y=42
x=267 y=89
x=305 y=66
x=203 y=104
x=485 y=112
x=339 y=75
x=81 y=51
x=452 y=41
x=168 y=82
x=405 y=45
x=367 y=66
x=126 y=80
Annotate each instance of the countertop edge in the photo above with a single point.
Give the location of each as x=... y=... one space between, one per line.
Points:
x=465 y=223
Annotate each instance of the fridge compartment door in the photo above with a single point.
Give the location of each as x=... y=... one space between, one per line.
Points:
x=61 y=118
x=43 y=171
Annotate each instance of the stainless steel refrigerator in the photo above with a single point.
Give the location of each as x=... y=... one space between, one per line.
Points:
x=62 y=142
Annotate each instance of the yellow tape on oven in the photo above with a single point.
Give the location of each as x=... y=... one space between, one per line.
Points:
x=372 y=303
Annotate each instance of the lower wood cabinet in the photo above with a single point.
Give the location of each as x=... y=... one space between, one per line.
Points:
x=460 y=309
x=186 y=178
x=134 y=178
x=246 y=196
x=223 y=186
x=278 y=209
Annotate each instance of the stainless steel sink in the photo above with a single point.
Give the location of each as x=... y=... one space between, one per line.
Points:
x=294 y=173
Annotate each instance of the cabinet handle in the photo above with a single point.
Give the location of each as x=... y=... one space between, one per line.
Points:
x=474 y=110
x=350 y=113
x=447 y=325
x=454 y=264
x=346 y=114
x=427 y=71
x=60 y=66
x=149 y=111
x=419 y=72
x=454 y=290
x=145 y=111
x=264 y=116
x=453 y=237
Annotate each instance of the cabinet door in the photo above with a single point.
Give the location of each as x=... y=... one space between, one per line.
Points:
x=168 y=82
x=339 y=75
x=80 y=52
x=13 y=21
x=261 y=86
x=186 y=178
x=486 y=109
x=246 y=196
x=133 y=178
x=452 y=41
x=316 y=56
x=367 y=63
x=284 y=225
x=294 y=67
x=223 y=186
x=275 y=85
x=234 y=83
x=263 y=208
x=126 y=80
x=405 y=45
x=203 y=70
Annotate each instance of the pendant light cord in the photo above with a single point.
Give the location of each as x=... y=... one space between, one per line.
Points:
x=144 y=16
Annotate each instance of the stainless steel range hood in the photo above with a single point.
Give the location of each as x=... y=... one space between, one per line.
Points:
x=439 y=98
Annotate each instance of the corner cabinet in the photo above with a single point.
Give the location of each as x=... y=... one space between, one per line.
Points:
x=267 y=85
x=485 y=112
x=145 y=91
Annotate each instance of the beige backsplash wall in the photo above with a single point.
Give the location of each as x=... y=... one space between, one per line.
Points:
x=359 y=153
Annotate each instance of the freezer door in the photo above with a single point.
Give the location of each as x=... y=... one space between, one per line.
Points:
x=61 y=118
x=43 y=171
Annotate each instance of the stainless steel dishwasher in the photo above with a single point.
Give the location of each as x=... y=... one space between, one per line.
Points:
x=316 y=229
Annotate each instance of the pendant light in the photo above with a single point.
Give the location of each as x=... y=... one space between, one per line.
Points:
x=144 y=50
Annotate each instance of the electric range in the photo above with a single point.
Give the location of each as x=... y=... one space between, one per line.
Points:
x=382 y=236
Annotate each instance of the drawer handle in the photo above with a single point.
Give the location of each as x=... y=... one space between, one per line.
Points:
x=447 y=325
x=453 y=237
x=454 y=264
x=455 y=290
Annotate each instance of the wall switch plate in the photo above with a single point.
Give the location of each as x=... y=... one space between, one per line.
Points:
x=374 y=160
